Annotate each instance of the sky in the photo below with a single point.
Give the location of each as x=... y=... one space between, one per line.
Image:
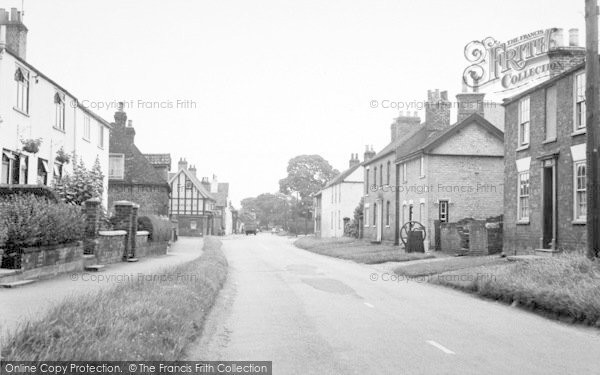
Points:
x=240 y=87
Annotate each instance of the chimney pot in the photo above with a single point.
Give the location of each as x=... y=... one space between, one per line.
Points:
x=574 y=37
x=130 y=123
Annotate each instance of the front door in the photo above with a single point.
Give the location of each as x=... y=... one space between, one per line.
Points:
x=549 y=204
x=443 y=214
x=379 y=221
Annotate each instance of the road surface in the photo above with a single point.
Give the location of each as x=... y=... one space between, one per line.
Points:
x=312 y=314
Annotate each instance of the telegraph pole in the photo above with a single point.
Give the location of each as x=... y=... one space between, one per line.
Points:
x=592 y=75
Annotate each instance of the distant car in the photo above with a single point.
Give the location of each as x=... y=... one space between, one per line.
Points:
x=250 y=228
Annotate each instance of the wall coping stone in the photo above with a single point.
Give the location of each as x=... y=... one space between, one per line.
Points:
x=142 y=233
x=123 y=203
x=112 y=232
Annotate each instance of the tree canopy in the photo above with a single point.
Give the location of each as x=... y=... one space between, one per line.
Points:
x=307 y=174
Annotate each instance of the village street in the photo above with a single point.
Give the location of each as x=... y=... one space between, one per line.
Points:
x=31 y=301
x=314 y=314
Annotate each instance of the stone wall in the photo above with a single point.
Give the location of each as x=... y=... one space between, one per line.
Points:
x=110 y=246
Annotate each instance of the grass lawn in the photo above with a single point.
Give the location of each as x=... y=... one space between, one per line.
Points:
x=357 y=250
x=145 y=320
x=565 y=287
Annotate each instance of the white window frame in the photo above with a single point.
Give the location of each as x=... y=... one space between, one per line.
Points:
x=576 y=216
x=87 y=123
x=422 y=166
x=404 y=171
x=579 y=98
x=524 y=114
x=22 y=102
x=100 y=136
x=551 y=92
x=59 y=111
x=521 y=218
x=111 y=175
x=367 y=188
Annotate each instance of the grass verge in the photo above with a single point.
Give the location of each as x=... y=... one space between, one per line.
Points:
x=565 y=287
x=445 y=265
x=145 y=320
x=357 y=250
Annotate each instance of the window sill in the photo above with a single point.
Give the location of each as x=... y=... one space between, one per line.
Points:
x=86 y=139
x=58 y=129
x=21 y=112
x=579 y=222
x=421 y=177
x=387 y=226
x=578 y=132
x=551 y=140
x=521 y=148
x=101 y=147
x=523 y=222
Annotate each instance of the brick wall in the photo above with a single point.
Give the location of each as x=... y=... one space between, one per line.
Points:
x=153 y=200
x=382 y=195
x=522 y=238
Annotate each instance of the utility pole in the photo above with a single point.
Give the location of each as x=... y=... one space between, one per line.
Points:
x=592 y=76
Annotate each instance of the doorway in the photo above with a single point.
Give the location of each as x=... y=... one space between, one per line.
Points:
x=549 y=204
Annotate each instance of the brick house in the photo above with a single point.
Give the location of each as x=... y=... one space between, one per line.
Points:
x=545 y=169
x=379 y=177
x=32 y=105
x=131 y=177
x=191 y=203
x=161 y=163
x=222 y=220
x=335 y=203
x=450 y=172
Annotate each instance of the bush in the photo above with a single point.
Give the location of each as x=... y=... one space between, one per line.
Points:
x=159 y=228
x=34 y=221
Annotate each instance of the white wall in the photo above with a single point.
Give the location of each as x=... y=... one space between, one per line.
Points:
x=39 y=123
x=339 y=201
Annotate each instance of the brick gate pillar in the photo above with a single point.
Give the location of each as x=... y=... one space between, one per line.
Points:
x=134 y=228
x=92 y=225
x=123 y=216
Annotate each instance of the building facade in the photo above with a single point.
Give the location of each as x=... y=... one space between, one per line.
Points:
x=545 y=166
x=450 y=172
x=335 y=203
x=131 y=175
x=33 y=106
x=191 y=204
x=380 y=173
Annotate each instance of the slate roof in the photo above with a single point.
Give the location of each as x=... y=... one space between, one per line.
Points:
x=424 y=139
x=342 y=176
x=392 y=146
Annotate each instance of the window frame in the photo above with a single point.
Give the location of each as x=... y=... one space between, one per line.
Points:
x=551 y=92
x=100 y=136
x=422 y=166
x=87 y=127
x=576 y=216
x=389 y=163
x=521 y=197
x=579 y=99
x=524 y=123
x=59 y=111
x=387 y=214
x=111 y=176
x=22 y=102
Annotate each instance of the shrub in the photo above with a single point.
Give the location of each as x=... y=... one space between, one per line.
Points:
x=34 y=221
x=82 y=184
x=159 y=228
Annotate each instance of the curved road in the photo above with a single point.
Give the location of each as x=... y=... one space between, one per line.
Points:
x=312 y=314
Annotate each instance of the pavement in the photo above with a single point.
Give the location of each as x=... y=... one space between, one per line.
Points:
x=312 y=314
x=32 y=301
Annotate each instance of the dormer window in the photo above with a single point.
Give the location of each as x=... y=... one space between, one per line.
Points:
x=22 y=79
x=59 y=111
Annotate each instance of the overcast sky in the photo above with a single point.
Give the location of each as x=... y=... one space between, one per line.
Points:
x=269 y=79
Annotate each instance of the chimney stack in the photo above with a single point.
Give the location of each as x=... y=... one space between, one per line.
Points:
x=354 y=161
x=120 y=116
x=214 y=186
x=404 y=125
x=573 y=37
x=206 y=183
x=469 y=103
x=182 y=164
x=193 y=170
x=437 y=110
x=15 y=32
x=369 y=153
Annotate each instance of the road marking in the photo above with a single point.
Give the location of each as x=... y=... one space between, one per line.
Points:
x=369 y=305
x=440 y=347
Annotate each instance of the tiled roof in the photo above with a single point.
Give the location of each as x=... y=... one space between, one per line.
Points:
x=392 y=146
x=159 y=159
x=425 y=139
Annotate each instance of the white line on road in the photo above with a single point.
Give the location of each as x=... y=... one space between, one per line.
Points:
x=369 y=305
x=440 y=347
